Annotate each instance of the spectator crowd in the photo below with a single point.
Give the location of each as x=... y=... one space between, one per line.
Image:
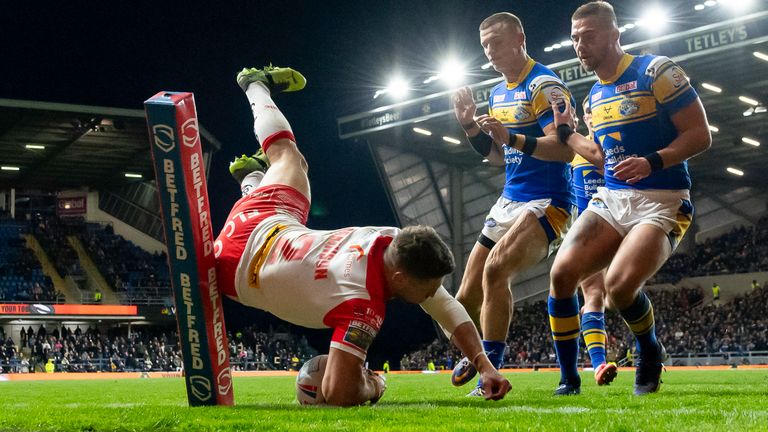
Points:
x=90 y=350
x=683 y=323
x=741 y=250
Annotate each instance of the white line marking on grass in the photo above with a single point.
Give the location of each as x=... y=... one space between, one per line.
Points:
x=561 y=410
x=675 y=411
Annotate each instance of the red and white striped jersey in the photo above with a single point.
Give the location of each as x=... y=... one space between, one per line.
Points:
x=318 y=279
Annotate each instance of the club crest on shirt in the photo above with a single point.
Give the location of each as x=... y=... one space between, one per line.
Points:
x=490 y=222
x=522 y=114
x=628 y=107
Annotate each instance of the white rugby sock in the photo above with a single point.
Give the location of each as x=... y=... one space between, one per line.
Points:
x=269 y=124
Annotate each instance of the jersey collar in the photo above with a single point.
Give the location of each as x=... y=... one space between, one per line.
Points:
x=523 y=74
x=624 y=63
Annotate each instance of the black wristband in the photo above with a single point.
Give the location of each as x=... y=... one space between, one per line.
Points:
x=657 y=163
x=529 y=146
x=469 y=126
x=481 y=143
x=564 y=131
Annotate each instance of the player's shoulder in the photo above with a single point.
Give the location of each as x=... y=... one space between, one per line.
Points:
x=542 y=76
x=653 y=65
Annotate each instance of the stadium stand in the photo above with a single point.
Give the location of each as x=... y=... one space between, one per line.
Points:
x=21 y=276
x=52 y=234
x=742 y=250
x=153 y=349
x=137 y=275
x=730 y=330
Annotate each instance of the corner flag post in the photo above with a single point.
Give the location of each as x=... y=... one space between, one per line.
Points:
x=179 y=170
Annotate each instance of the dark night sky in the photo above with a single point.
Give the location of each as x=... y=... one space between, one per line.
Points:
x=118 y=54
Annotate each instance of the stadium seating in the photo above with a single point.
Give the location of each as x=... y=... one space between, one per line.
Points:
x=21 y=277
x=742 y=250
x=153 y=349
x=136 y=274
x=736 y=327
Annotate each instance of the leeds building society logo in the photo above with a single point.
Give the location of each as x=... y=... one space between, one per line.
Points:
x=190 y=132
x=163 y=137
x=201 y=387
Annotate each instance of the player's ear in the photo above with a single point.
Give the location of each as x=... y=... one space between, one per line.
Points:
x=399 y=278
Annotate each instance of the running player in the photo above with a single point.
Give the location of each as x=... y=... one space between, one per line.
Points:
x=586 y=179
x=649 y=121
x=535 y=205
x=268 y=259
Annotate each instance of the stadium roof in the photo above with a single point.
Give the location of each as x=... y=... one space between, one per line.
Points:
x=54 y=146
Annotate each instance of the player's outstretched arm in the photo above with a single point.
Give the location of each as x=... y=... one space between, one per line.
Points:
x=348 y=383
x=455 y=322
x=466 y=338
x=465 y=109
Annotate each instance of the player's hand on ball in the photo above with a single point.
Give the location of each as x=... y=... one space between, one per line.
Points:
x=380 y=383
x=495 y=386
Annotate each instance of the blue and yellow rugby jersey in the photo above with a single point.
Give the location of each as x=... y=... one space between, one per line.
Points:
x=586 y=180
x=524 y=107
x=631 y=117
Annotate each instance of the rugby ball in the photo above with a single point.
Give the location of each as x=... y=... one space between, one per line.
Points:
x=309 y=382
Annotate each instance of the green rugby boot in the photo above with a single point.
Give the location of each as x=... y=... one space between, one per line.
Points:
x=244 y=165
x=277 y=79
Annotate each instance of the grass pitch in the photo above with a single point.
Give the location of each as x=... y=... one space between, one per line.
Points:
x=732 y=400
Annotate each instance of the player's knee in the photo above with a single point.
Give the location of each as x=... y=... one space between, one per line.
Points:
x=470 y=299
x=594 y=291
x=286 y=151
x=498 y=268
x=563 y=280
x=619 y=285
x=594 y=300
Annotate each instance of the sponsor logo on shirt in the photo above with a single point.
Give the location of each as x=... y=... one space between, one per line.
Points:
x=678 y=76
x=360 y=335
x=597 y=96
x=597 y=202
x=490 y=222
x=519 y=95
x=499 y=97
x=632 y=85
